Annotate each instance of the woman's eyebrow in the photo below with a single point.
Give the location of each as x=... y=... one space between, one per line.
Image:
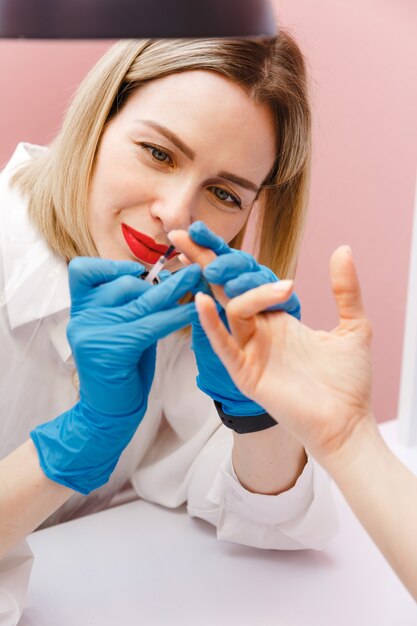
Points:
x=189 y=153
x=242 y=182
x=171 y=136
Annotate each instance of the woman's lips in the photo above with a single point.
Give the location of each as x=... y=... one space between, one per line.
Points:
x=143 y=246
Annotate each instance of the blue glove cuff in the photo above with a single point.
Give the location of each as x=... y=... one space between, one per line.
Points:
x=67 y=444
x=234 y=404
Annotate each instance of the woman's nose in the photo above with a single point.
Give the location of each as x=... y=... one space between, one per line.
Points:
x=173 y=210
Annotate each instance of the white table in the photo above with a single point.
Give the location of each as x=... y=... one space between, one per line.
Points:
x=139 y=564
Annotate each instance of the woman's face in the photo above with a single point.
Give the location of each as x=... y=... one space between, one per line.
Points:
x=189 y=146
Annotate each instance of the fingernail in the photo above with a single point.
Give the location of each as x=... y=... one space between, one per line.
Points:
x=282 y=285
x=171 y=232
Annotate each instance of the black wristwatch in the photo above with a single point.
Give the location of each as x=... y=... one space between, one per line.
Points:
x=243 y=424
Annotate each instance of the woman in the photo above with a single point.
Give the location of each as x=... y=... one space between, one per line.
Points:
x=160 y=134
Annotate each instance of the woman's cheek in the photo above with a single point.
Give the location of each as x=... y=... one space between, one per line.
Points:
x=226 y=225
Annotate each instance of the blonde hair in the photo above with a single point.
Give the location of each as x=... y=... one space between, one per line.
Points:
x=271 y=70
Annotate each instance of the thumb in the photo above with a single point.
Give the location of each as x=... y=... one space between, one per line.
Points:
x=203 y=236
x=85 y=273
x=345 y=285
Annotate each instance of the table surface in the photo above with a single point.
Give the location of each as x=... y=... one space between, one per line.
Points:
x=142 y=564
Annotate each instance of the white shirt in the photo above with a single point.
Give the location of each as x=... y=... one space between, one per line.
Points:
x=180 y=453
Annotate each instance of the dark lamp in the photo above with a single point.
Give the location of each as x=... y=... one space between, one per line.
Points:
x=120 y=19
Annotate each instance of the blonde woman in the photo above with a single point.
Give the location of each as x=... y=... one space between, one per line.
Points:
x=160 y=135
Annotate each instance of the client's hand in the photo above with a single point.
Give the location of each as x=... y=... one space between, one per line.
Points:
x=116 y=320
x=315 y=383
x=230 y=273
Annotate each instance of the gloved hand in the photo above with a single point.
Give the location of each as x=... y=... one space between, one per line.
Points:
x=116 y=320
x=236 y=272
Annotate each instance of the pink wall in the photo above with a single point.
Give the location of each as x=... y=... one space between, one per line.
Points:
x=363 y=66
x=38 y=80
x=362 y=60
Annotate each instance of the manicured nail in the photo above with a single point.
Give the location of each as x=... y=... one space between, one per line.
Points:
x=199 y=297
x=183 y=259
x=282 y=285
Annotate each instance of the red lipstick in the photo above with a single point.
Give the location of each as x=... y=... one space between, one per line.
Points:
x=143 y=246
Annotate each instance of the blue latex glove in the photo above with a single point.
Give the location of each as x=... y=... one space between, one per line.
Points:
x=116 y=320
x=236 y=272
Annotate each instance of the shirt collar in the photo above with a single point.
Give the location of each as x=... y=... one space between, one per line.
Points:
x=35 y=279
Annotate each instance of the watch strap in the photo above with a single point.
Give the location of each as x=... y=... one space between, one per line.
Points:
x=243 y=424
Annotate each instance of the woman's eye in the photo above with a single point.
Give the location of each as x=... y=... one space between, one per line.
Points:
x=157 y=153
x=225 y=196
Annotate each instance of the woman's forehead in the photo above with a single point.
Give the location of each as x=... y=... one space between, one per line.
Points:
x=206 y=111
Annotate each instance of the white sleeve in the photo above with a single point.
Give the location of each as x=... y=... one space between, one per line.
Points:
x=302 y=517
x=191 y=461
x=15 y=570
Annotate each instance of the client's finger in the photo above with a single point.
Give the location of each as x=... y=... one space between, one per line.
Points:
x=346 y=288
x=183 y=259
x=196 y=254
x=241 y=311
